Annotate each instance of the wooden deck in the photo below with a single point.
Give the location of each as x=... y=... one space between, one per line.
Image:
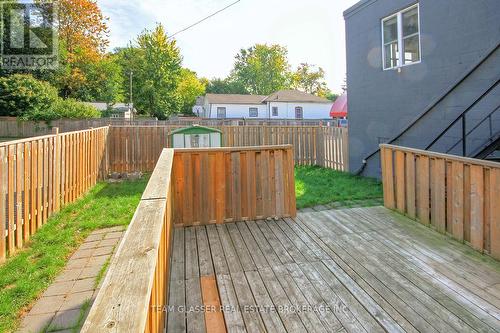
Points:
x=353 y=270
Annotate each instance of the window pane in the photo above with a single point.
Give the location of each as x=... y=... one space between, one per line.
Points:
x=253 y=112
x=299 y=114
x=391 y=54
x=221 y=112
x=410 y=22
x=412 y=50
x=391 y=30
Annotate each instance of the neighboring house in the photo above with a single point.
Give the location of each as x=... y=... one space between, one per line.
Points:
x=117 y=110
x=284 y=104
x=449 y=66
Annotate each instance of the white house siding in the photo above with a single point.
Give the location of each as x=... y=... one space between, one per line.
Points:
x=237 y=110
x=286 y=110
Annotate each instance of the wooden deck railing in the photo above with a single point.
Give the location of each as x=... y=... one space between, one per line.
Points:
x=133 y=295
x=458 y=196
x=39 y=175
x=216 y=185
x=136 y=148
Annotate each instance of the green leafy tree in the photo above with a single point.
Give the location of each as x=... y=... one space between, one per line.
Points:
x=104 y=82
x=156 y=66
x=130 y=60
x=188 y=89
x=262 y=69
x=21 y=95
x=225 y=86
x=331 y=96
x=310 y=80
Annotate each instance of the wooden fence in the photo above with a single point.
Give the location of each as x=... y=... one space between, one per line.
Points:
x=14 y=128
x=180 y=182
x=455 y=195
x=233 y=184
x=39 y=175
x=136 y=148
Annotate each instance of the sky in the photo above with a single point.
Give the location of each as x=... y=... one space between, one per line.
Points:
x=312 y=30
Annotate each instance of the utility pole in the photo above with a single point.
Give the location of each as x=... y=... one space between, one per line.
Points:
x=131 y=74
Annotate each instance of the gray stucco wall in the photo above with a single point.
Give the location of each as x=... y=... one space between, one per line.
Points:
x=455 y=35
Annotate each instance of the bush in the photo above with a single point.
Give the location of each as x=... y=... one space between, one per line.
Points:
x=27 y=98
x=71 y=108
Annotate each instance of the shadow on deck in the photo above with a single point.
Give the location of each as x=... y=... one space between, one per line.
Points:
x=354 y=270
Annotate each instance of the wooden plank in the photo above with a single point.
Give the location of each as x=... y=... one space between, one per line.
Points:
x=220 y=192
x=214 y=318
x=205 y=258
x=410 y=185
x=457 y=200
x=476 y=207
x=176 y=321
x=3 y=194
x=494 y=213
x=438 y=194
x=196 y=319
x=388 y=178
x=10 y=203
x=467 y=202
x=423 y=200
x=19 y=191
x=399 y=169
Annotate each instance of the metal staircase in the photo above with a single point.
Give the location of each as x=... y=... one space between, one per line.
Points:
x=471 y=133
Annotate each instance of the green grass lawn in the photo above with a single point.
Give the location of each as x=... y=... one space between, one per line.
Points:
x=318 y=186
x=26 y=275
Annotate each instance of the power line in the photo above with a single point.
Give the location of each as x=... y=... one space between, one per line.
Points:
x=204 y=19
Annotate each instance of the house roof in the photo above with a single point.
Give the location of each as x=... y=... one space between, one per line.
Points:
x=234 y=99
x=339 y=108
x=195 y=129
x=357 y=6
x=294 y=96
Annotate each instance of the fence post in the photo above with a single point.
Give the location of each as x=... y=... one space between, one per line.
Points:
x=57 y=169
x=320 y=147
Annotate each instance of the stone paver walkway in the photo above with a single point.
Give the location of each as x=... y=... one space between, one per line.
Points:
x=63 y=307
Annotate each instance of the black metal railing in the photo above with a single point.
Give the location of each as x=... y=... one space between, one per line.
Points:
x=433 y=104
x=462 y=118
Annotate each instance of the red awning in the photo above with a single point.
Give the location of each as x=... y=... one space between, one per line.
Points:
x=339 y=108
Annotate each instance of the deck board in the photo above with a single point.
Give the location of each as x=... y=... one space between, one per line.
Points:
x=351 y=270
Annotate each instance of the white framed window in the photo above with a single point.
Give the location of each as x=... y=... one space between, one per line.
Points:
x=221 y=112
x=299 y=112
x=253 y=112
x=275 y=111
x=401 y=38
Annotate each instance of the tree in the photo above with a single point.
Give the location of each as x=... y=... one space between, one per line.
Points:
x=310 y=80
x=262 y=69
x=188 y=89
x=157 y=74
x=83 y=34
x=331 y=96
x=83 y=29
x=225 y=86
x=27 y=98
x=22 y=95
x=104 y=81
